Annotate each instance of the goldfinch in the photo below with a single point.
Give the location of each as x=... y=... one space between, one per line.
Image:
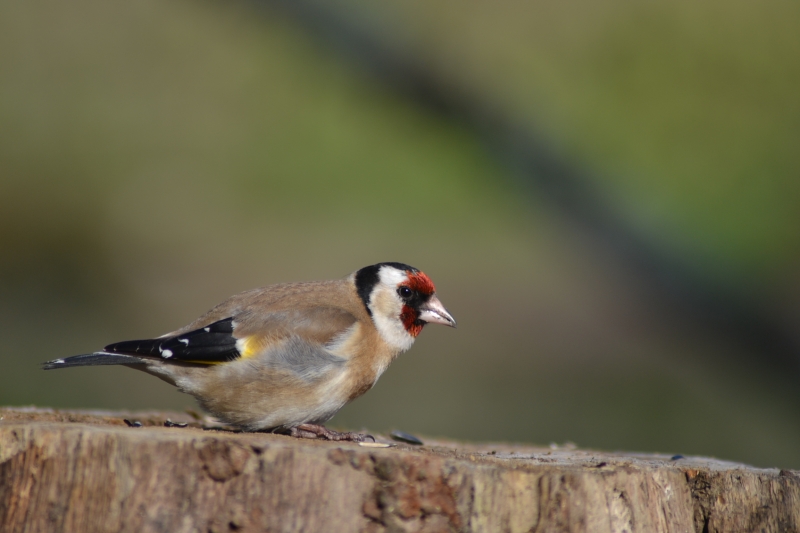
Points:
x=285 y=358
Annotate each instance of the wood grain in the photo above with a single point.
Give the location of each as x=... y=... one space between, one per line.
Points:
x=90 y=472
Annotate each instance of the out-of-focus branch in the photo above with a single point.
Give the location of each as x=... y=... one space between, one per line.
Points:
x=538 y=167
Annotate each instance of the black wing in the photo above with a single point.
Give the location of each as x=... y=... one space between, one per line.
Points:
x=214 y=343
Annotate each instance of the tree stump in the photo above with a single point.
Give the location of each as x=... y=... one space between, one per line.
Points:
x=88 y=472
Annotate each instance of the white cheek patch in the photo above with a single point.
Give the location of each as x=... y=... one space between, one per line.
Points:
x=386 y=307
x=393 y=332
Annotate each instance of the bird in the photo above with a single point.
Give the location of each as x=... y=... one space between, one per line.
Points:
x=286 y=358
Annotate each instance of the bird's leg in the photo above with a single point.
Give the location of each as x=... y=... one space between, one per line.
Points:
x=316 y=431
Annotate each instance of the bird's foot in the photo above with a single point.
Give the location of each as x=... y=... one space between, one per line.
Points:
x=316 y=431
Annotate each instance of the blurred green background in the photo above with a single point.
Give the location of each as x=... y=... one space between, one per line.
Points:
x=157 y=157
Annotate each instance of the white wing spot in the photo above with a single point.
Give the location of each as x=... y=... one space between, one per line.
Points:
x=184 y=341
x=166 y=354
x=58 y=361
x=207 y=330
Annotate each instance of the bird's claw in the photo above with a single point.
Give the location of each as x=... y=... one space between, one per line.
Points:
x=359 y=437
x=316 y=431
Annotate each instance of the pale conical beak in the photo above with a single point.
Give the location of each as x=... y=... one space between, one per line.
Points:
x=433 y=312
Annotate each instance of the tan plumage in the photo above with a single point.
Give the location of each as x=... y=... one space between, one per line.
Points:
x=284 y=319
x=288 y=356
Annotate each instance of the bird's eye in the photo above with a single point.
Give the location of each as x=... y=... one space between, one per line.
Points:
x=404 y=292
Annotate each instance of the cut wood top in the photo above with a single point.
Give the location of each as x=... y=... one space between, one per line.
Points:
x=90 y=471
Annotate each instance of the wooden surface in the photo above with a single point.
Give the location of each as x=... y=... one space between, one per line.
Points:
x=90 y=472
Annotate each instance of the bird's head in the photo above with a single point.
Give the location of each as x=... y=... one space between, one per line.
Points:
x=401 y=300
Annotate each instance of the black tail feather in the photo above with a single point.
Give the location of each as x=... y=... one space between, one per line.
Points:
x=93 y=359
